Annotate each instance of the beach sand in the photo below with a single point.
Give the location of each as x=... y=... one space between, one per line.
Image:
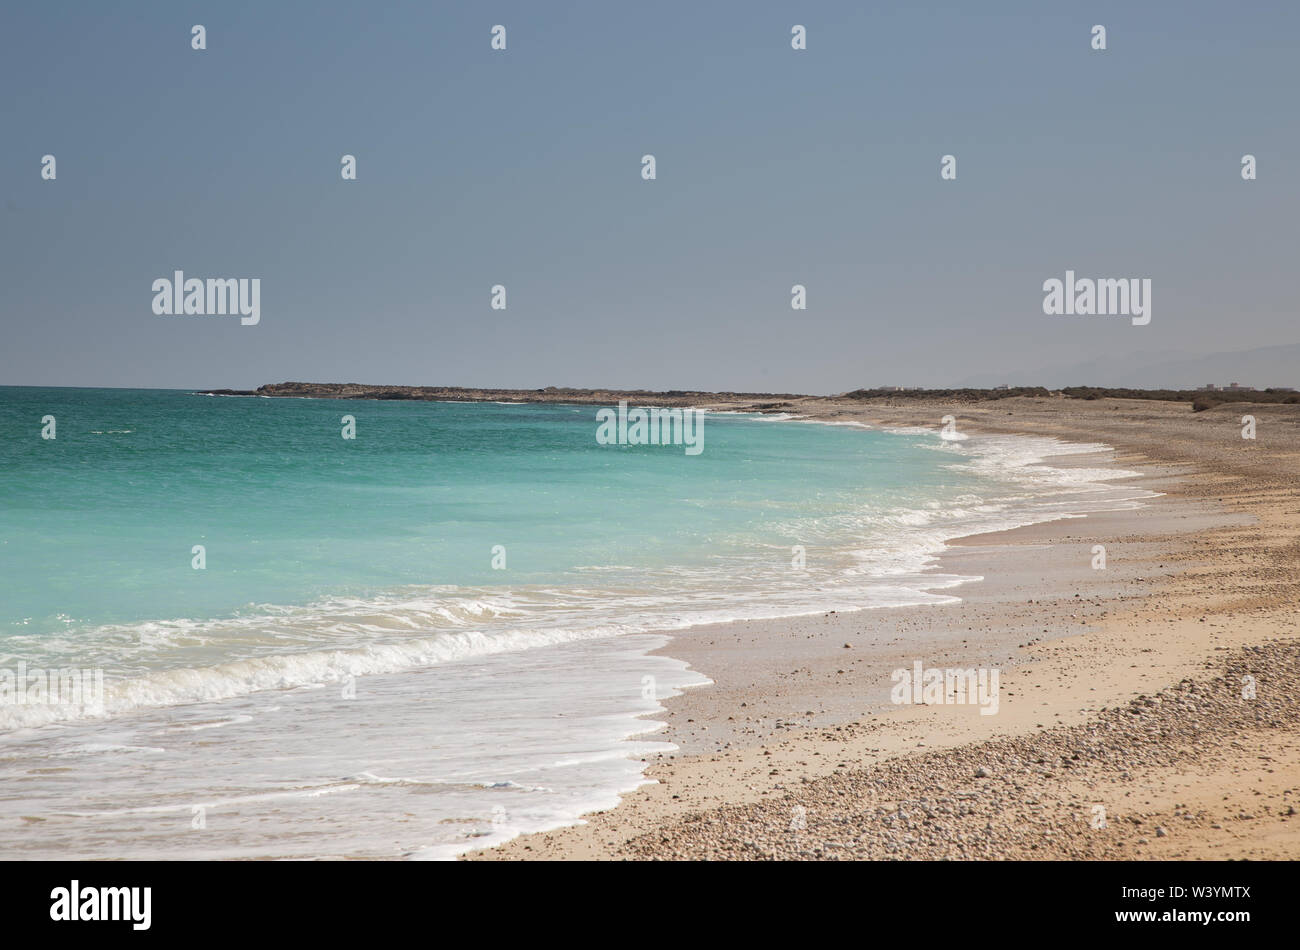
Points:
x=1122 y=730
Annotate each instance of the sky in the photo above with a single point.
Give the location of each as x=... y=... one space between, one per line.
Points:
x=522 y=167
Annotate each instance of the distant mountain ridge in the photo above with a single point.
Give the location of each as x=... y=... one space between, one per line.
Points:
x=1261 y=368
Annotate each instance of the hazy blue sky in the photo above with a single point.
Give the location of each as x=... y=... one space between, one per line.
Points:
x=522 y=167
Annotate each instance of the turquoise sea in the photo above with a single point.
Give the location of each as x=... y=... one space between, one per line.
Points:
x=432 y=635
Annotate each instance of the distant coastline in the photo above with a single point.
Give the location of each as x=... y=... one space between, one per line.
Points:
x=1199 y=399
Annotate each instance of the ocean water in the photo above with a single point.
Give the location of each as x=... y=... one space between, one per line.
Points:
x=432 y=636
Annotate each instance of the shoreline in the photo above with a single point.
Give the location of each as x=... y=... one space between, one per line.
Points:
x=788 y=716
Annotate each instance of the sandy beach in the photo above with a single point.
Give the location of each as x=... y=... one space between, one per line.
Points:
x=1146 y=709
